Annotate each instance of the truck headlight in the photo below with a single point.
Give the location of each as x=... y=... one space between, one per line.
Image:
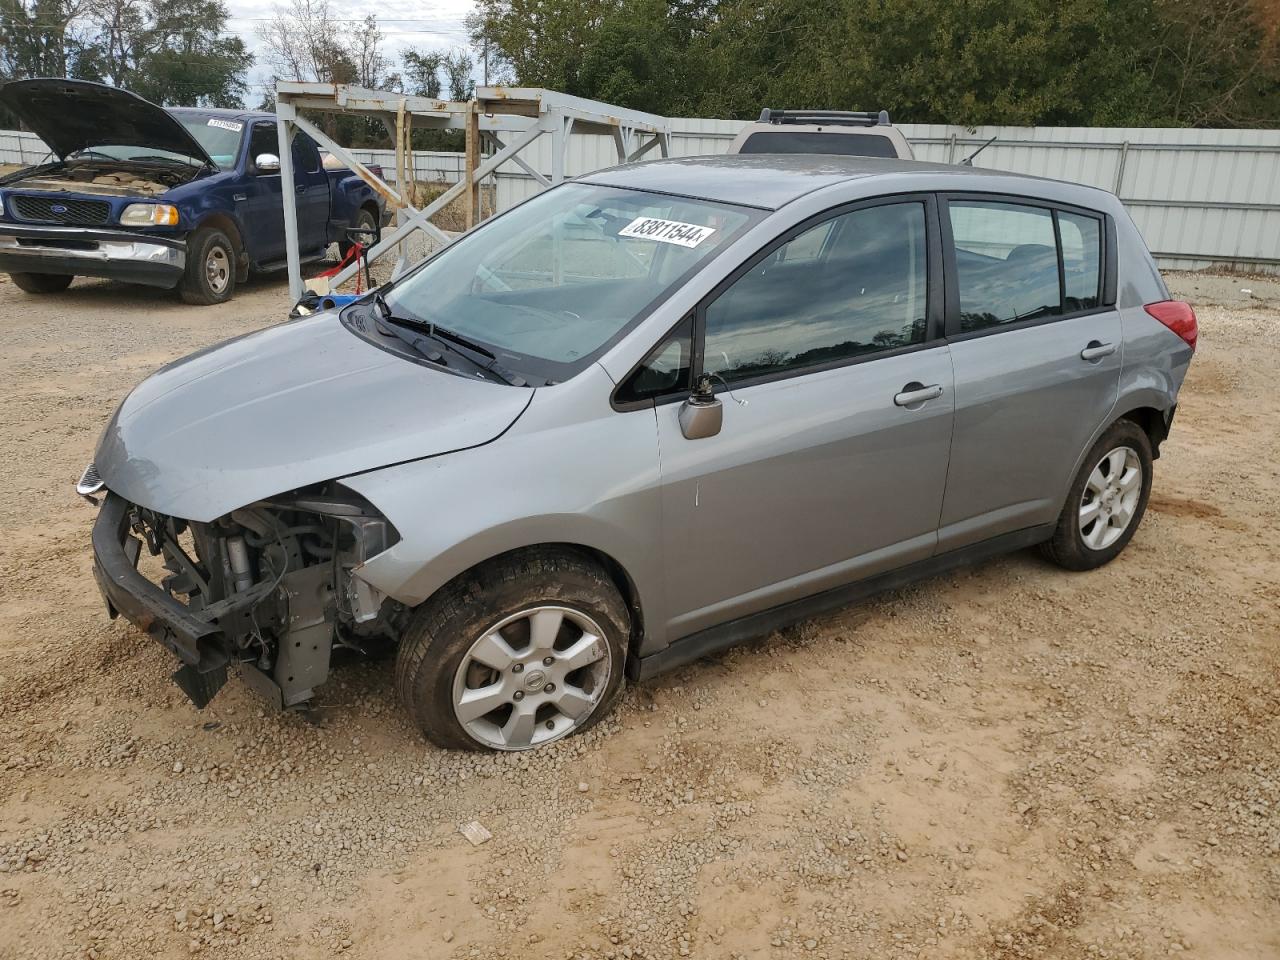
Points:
x=149 y=215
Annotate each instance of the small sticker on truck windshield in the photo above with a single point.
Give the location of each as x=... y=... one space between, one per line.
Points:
x=666 y=231
x=227 y=125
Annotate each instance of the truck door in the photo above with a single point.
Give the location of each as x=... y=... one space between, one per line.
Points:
x=262 y=210
x=311 y=186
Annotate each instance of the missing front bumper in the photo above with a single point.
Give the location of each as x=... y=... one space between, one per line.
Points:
x=199 y=644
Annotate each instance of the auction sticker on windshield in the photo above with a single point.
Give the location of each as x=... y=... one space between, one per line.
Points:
x=227 y=125
x=666 y=231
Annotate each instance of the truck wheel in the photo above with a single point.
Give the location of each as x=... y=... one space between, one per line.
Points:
x=366 y=219
x=521 y=652
x=42 y=282
x=210 y=276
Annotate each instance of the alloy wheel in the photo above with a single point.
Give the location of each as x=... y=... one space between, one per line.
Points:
x=533 y=677
x=1110 y=498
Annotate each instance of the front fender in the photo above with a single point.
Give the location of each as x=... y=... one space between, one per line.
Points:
x=591 y=483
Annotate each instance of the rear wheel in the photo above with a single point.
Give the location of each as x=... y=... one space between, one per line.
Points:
x=42 y=282
x=365 y=220
x=210 y=275
x=1107 y=500
x=515 y=655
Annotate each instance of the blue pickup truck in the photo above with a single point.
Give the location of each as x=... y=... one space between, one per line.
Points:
x=169 y=197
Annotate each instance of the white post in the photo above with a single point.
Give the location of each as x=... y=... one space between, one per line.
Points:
x=289 y=194
x=557 y=149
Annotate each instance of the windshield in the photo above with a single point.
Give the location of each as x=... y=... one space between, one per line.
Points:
x=549 y=285
x=220 y=139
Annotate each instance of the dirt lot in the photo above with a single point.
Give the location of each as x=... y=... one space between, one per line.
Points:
x=1008 y=762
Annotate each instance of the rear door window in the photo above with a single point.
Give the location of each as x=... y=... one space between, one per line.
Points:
x=1081 y=260
x=1006 y=263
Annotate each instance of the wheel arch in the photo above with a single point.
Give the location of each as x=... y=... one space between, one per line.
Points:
x=615 y=569
x=1149 y=409
x=1153 y=421
x=228 y=225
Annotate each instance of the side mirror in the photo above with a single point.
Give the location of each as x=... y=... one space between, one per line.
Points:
x=701 y=415
x=266 y=163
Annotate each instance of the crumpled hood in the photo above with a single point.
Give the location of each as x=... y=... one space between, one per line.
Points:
x=285 y=407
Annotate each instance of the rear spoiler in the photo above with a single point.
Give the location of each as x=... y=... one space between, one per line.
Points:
x=843 y=118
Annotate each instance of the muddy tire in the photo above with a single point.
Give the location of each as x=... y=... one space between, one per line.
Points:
x=523 y=651
x=41 y=283
x=1106 y=502
x=210 y=275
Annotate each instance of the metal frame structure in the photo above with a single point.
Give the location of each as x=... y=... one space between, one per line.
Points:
x=503 y=119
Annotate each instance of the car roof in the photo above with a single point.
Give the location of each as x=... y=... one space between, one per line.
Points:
x=770 y=181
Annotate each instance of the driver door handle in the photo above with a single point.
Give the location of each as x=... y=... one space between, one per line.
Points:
x=1096 y=350
x=914 y=393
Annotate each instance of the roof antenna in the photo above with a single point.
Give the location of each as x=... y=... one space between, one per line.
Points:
x=968 y=161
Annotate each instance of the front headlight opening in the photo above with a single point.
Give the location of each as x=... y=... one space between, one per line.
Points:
x=149 y=215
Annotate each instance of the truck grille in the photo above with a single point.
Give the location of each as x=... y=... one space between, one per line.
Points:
x=84 y=213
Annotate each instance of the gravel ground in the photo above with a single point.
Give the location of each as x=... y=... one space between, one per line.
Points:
x=1010 y=761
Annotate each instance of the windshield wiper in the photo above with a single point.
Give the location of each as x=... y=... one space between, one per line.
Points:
x=185 y=161
x=449 y=338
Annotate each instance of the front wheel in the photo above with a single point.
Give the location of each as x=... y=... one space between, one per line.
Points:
x=210 y=275
x=1107 y=500
x=41 y=282
x=521 y=652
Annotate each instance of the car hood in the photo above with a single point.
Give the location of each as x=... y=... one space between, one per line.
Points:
x=71 y=115
x=283 y=408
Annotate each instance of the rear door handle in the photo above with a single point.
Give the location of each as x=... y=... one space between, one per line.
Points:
x=300 y=188
x=916 y=392
x=1096 y=350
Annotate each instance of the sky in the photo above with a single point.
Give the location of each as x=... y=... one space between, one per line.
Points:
x=421 y=24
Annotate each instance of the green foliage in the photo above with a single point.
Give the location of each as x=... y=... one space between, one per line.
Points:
x=1061 y=62
x=170 y=51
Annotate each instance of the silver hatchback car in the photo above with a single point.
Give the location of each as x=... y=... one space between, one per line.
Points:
x=643 y=416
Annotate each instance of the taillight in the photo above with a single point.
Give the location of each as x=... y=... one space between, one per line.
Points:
x=1178 y=316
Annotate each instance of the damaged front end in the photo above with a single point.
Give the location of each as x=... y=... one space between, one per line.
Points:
x=272 y=587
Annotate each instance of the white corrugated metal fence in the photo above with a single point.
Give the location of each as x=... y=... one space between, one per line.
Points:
x=1202 y=198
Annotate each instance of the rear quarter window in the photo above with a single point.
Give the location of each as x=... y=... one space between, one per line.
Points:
x=839 y=144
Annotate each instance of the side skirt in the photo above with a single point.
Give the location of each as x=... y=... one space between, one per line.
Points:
x=725 y=635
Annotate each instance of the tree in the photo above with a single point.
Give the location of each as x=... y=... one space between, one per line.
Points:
x=458 y=67
x=1070 y=62
x=422 y=72
x=302 y=44
x=169 y=51
x=41 y=38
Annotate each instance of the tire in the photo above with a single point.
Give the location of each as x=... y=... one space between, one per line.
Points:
x=1089 y=531
x=366 y=219
x=491 y=628
x=40 y=283
x=210 y=276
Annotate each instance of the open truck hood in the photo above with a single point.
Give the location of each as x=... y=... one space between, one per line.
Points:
x=71 y=115
x=286 y=407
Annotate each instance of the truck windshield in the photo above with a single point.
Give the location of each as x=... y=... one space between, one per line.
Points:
x=551 y=284
x=220 y=139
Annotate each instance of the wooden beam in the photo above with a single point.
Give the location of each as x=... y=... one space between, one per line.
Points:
x=472 y=162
